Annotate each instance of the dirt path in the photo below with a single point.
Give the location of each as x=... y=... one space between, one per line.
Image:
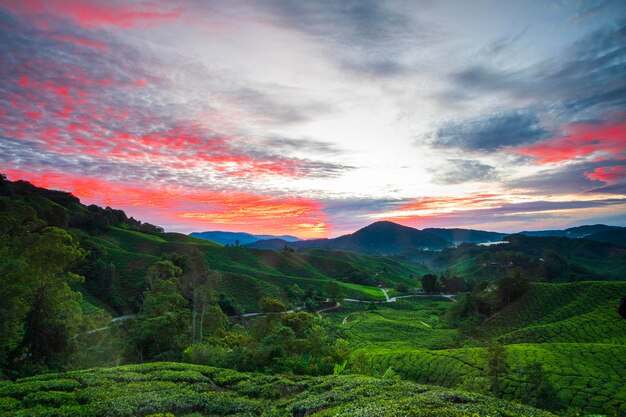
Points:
x=318 y=312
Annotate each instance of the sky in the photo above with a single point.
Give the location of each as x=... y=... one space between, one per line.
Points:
x=316 y=118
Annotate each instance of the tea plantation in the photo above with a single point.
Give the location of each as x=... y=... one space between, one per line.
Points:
x=247 y=274
x=572 y=331
x=175 y=389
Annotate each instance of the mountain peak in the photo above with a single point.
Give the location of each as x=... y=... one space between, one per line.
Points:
x=385 y=225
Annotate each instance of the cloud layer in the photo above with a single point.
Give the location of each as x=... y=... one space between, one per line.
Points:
x=316 y=118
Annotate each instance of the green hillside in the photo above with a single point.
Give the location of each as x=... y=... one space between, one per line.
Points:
x=557 y=346
x=571 y=330
x=589 y=377
x=121 y=249
x=580 y=312
x=553 y=259
x=193 y=390
x=404 y=324
x=261 y=272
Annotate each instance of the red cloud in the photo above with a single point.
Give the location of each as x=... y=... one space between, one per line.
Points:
x=70 y=119
x=95 y=14
x=608 y=175
x=192 y=209
x=581 y=140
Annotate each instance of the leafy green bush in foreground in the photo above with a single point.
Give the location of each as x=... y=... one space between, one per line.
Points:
x=181 y=389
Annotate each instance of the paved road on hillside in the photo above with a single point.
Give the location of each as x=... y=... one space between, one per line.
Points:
x=336 y=306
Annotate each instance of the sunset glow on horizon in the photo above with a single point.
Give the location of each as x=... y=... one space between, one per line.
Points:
x=317 y=118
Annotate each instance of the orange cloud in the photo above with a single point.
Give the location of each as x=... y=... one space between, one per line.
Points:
x=433 y=206
x=192 y=209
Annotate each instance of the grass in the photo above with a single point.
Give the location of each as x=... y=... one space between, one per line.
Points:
x=410 y=323
x=182 y=389
x=363 y=291
x=586 y=376
x=581 y=312
x=260 y=272
x=573 y=330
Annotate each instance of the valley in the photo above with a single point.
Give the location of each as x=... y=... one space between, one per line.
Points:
x=176 y=324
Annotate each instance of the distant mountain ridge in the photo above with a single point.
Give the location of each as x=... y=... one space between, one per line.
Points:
x=241 y=238
x=574 y=232
x=386 y=237
x=378 y=238
x=457 y=235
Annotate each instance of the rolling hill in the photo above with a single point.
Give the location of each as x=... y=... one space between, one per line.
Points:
x=157 y=389
x=572 y=232
x=571 y=329
x=616 y=236
x=122 y=249
x=550 y=258
x=378 y=238
x=466 y=235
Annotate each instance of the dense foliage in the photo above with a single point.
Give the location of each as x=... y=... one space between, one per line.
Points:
x=559 y=346
x=183 y=389
x=509 y=331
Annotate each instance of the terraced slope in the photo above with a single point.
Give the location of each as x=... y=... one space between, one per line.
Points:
x=580 y=312
x=259 y=272
x=409 y=324
x=588 y=376
x=181 y=389
x=572 y=330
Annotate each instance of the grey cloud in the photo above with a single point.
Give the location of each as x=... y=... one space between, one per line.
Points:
x=585 y=81
x=353 y=213
x=609 y=189
x=490 y=133
x=568 y=179
x=280 y=106
x=28 y=155
x=504 y=43
x=522 y=213
x=288 y=145
x=110 y=113
x=366 y=36
x=590 y=9
x=357 y=206
x=458 y=171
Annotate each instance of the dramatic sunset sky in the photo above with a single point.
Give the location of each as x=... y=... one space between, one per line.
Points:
x=315 y=118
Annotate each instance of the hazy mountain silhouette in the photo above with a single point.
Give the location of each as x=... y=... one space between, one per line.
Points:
x=232 y=238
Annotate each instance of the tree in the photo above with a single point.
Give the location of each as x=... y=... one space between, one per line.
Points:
x=39 y=313
x=202 y=283
x=294 y=293
x=162 y=270
x=538 y=391
x=163 y=328
x=496 y=365
x=622 y=308
x=402 y=288
x=334 y=291
x=429 y=283
x=512 y=287
x=269 y=305
x=453 y=284
x=360 y=362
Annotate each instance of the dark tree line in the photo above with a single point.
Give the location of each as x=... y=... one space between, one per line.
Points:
x=432 y=284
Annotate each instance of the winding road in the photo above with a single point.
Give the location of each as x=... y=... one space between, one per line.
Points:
x=318 y=312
